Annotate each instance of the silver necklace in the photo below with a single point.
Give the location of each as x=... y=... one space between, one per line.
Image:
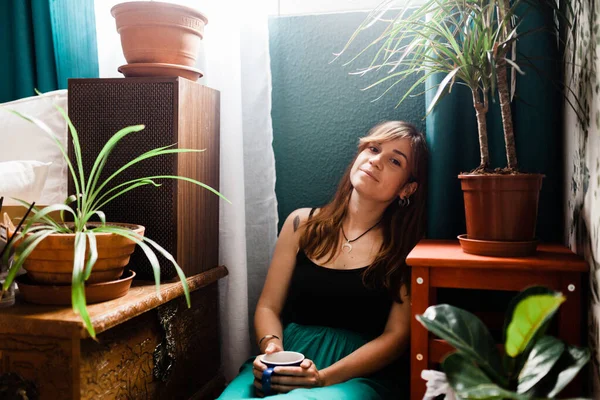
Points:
x=347 y=247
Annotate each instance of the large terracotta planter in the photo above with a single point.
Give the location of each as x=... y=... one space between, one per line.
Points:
x=52 y=260
x=501 y=207
x=155 y=32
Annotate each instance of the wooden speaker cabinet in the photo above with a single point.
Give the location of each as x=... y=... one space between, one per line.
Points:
x=180 y=216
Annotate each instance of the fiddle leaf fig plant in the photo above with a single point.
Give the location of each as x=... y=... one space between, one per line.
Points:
x=92 y=194
x=533 y=365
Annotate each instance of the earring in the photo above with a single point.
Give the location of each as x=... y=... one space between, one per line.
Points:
x=404 y=202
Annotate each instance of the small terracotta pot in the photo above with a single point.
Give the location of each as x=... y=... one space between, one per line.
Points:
x=501 y=207
x=52 y=260
x=155 y=32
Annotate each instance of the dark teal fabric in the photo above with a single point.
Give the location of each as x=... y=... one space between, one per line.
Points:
x=45 y=42
x=452 y=135
x=325 y=346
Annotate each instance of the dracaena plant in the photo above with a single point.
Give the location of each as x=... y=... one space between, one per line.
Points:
x=533 y=364
x=454 y=38
x=91 y=195
x=468 y=42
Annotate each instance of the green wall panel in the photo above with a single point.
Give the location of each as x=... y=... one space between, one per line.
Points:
x=319 y=110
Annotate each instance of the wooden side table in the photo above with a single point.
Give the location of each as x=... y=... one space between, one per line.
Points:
x=442 y=264
x=146 y=347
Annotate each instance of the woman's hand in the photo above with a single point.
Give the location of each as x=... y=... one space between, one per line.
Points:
x=258 y=367
x=289 y=378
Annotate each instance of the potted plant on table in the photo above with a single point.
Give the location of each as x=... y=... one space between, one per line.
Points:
x=55 y=251
x=470 y=43
x=533 y=366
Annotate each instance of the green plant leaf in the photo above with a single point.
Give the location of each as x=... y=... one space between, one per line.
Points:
x=531 y=314
x=442 y=88
x=152 y=257
x=23 y=251
x=132 y=186
x=563 y=372
x=149 y=154
x=78 y=283
x=544 y=354
x=69 y=200
x=93 y=256
x=77 y=151
x=48 y=219
x=38 y=215
x=465 y=332
x=182 y=278
x=434 y=37
x=101 y=216
x=462 y=373
x=470 y=382
x=139 y=240
x=513 y=365
x=102 y=157
x=151 y=178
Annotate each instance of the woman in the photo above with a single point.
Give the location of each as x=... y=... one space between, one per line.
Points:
x=337 y=289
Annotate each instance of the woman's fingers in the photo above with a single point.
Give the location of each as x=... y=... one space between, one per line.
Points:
x=272 y=348
x=300 y=381
x=257 y=364
x=257 y=374
x=306 y=363
x=258 y=384
x=293 y=371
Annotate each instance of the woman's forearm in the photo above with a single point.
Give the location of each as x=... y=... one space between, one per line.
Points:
x=367 y=359
x=267 y=322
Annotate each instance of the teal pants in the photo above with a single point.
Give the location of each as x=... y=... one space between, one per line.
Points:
x=324 y=346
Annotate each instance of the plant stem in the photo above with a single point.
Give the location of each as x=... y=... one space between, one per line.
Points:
x=502 y=81
x=481 y=110
x=509 y=136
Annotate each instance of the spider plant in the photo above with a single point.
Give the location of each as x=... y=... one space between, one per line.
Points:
x=450 y=37
x=91 y=194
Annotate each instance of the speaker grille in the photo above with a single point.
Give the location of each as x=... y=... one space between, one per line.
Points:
x=98 y=109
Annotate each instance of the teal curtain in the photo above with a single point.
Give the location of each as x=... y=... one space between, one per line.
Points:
x=452 y=134
x=45 y=42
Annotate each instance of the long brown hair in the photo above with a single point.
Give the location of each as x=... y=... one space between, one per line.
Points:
x=402 y=227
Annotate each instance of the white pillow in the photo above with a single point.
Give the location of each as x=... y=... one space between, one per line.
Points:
x=22 y=140
x=22 y=180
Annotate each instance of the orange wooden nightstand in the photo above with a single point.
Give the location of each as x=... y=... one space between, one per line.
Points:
x=442 y=264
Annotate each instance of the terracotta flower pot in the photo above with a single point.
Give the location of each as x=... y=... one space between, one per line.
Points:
x=52 y=260
x=155 y=32
x=501 y=207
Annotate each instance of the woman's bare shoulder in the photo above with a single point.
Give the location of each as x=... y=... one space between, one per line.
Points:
x=299 y=216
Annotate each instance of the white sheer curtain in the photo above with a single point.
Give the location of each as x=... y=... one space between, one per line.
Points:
x=235 y=59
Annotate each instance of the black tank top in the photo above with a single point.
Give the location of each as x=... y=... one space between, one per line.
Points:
x=335 y=298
